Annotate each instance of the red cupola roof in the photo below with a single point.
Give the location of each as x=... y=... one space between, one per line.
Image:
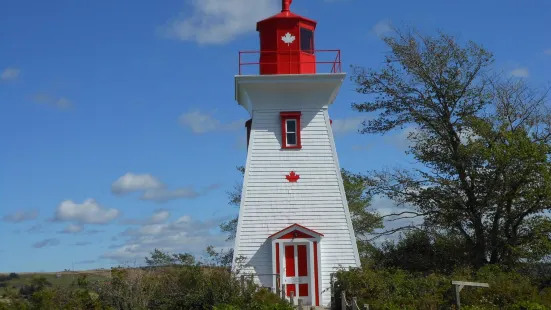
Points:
x=285 y=16
x=287 y=45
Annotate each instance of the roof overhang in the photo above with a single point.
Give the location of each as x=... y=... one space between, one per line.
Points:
x=296 y=231
x=329 y=83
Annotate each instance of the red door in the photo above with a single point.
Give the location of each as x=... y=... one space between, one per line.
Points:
x=297 y=277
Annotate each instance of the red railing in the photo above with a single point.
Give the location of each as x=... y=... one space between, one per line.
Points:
x=328 y=59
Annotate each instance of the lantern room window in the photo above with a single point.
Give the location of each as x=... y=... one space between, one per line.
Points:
x=290 y=130
x=307 y=40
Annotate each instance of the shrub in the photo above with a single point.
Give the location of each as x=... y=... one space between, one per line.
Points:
x=388 y=288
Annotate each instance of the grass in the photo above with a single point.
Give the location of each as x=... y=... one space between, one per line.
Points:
x=65 y=280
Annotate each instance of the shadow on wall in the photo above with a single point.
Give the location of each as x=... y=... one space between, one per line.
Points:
x=262 y=264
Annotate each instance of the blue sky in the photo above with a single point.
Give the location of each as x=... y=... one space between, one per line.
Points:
x=118 y=127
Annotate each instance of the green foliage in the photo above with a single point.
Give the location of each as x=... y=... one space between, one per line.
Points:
x=482 y=145
x=390 y=288
x=423 y=251
x=185 y=283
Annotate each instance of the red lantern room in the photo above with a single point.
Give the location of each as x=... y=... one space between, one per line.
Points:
x=287 y=43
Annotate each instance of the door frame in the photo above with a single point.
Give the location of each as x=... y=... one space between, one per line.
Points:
x=295 y=235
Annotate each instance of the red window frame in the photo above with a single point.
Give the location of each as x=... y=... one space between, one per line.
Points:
x=290 y=116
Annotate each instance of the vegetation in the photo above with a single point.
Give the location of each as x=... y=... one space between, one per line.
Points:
x=481 y=142
x=168 y=282
x=478 y=198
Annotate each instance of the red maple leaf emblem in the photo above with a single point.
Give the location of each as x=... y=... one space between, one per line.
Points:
x=292 y=177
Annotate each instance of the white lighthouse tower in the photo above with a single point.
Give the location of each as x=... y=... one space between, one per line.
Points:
x=294 y=226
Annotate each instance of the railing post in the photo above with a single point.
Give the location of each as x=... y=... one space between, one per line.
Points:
x=277 y=288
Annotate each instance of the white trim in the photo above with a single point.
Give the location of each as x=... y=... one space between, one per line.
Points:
x=312 y=270
x=299 y=228
x=311 y=265
x=341 y=187
x=274 y=263
x=293 y=119
x=243 y=197
x=320 y=281
x=243 y=83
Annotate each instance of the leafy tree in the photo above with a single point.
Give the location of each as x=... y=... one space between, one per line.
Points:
x=423 y=251
x=160 y=259
x=481 y=144
x=364 y=220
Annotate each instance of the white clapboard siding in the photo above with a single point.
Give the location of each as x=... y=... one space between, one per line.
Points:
x=270 y=203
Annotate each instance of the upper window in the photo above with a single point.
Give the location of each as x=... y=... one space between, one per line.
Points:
x=307 y=40
x=290 y=130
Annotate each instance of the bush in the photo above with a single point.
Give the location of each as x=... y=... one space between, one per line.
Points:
x=388 y=288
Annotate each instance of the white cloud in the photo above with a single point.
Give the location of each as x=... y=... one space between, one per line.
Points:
x=200 y=123
x=362 y=147
x=219 y=21
x=21 y=216
x=89 y=212
x=131 y=182
x=72 y=229
x=9 y=74
x=382 y=28
x=400 y=139
x=179 y=236
x=164 y=195
x=46 y=243
x=346 y=125
x=160 y=216
x=385 y=206
x=152 y=189
x=58 y=102
x=520 y=72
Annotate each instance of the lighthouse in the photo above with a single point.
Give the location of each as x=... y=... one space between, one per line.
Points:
x=294 y=228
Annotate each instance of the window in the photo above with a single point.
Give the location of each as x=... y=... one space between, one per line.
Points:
x=307 y=40
x=290 y=130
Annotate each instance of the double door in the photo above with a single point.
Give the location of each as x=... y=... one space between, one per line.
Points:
x=297 y=272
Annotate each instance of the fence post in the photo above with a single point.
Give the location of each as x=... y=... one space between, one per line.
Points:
x=355 y=303
x=243 y=284
x=292 y=298
x=283 y=292
x=343 y=300
x=300 y=304
x=366 y=307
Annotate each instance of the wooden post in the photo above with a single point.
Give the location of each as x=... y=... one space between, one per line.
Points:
x=242 y=284
x=283 y=292
x=300 y=304
x=292 y=298
x=366 y=307
x=278 y=288
x=457 y=299
x=343 y=300
x=459 y=286
x=355 y=303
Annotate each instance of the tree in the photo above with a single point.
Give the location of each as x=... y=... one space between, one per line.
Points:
x=364 y=220
x=162 y=259
x=481 y=143
x=423 y=251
